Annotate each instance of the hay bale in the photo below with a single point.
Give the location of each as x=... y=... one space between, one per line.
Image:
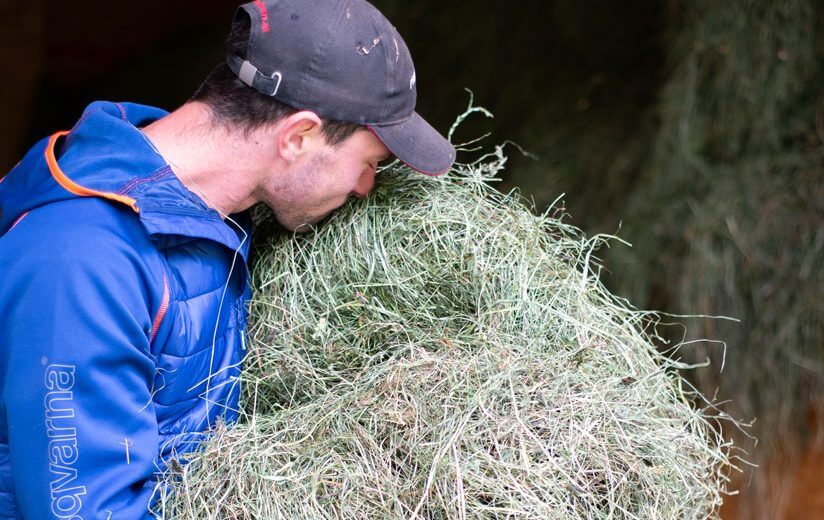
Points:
x=437 y=351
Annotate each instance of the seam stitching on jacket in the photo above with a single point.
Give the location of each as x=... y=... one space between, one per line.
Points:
x=134 y=183
x=122 y=111
x=73 y=131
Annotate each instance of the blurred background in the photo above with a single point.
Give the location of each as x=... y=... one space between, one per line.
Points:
x=693 y=129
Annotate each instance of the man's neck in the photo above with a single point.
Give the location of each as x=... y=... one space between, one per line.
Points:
x=208 y=159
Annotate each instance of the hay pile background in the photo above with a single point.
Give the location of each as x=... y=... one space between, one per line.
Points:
x=735 y=189
x=436 y=351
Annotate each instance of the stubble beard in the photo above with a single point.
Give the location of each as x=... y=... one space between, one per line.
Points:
x=293 y=217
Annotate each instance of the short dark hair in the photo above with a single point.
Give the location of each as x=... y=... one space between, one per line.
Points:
x=234 y=103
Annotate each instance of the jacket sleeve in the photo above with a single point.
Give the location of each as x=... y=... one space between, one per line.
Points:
x=83 y=433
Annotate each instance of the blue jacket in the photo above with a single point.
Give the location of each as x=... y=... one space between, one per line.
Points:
x=121 y=320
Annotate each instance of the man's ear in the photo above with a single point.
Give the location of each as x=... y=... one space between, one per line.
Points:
x=299 y=134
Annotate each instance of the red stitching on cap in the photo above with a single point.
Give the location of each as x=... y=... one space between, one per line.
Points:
x=264 y=15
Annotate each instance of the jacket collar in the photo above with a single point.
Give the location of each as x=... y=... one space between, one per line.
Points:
x=106 y=153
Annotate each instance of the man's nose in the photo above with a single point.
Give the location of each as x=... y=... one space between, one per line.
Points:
x=365 y=185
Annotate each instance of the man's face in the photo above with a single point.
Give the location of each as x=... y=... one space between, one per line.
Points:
x=324 y=180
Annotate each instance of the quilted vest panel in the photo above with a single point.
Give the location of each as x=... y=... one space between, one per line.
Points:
x=199 y=344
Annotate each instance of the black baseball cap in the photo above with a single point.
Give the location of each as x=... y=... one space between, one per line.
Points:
x=343 y=60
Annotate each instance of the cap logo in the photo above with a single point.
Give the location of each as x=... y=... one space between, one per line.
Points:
x=264 y=15
x=363 y=50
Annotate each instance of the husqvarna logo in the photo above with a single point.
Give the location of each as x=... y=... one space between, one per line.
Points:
x=66 y=495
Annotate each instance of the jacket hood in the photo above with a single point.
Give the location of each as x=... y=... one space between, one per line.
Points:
x=106 y=155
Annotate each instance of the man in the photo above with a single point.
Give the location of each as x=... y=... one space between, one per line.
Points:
x=123 y=245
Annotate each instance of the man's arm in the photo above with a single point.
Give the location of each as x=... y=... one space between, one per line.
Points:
x=82 y=430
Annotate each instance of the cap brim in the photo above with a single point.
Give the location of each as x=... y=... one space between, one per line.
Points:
x=418 y=144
